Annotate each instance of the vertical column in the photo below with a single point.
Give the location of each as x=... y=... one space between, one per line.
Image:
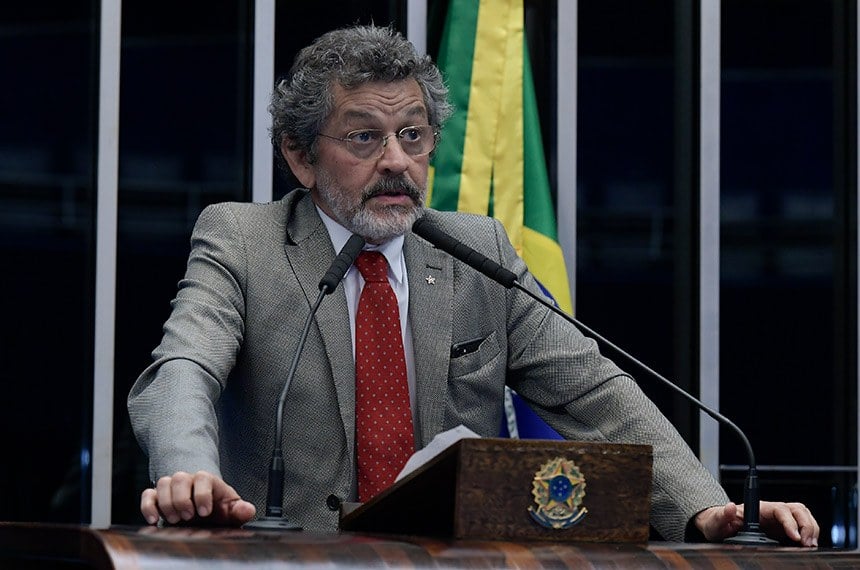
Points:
x=416 y=24
x=856 y=134
x=106 y=225
x=568 y=57
x=709 y=230
x=264 y=77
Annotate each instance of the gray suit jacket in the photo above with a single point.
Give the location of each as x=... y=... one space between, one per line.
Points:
x=208 y=400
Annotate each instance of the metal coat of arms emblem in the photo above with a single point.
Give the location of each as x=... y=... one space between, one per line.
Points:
x=558 y=488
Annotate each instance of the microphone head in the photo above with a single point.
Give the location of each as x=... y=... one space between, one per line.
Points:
x=417 y=224
x=341 y=263
x=425 y=229
x=478 y=261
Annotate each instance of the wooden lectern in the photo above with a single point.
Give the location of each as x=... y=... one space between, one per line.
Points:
x=444 y=512
x=503 y=489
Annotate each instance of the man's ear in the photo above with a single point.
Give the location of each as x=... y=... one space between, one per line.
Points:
x=301 y=167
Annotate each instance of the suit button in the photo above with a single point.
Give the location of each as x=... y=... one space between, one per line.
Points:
x=333 y=502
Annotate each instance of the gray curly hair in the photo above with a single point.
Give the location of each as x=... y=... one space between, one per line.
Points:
x=349 y=57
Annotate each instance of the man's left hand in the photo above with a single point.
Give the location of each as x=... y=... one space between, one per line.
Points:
x=781 y=521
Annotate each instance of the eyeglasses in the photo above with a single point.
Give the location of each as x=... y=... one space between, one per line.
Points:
x=371 y=143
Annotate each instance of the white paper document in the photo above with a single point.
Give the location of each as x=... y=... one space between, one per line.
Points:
x=439 y=444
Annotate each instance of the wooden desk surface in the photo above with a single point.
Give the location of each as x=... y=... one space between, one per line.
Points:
x=25 y=545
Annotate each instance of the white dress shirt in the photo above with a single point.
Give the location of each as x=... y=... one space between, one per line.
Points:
x=353 y=283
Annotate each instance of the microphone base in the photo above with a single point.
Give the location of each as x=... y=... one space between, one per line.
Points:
x=271 y=523
x=751 y=538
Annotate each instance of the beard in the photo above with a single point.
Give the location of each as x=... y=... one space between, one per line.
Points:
x=375 y=224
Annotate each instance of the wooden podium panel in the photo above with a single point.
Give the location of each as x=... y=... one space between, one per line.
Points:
x=28 y=546
x=488 y=489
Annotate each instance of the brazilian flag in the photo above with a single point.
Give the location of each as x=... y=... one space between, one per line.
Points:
x=490 y=159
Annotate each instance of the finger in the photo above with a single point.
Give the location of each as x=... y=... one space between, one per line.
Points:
x=733 y=519
x=739 y=509
x=717 y=523
x=806 y=523
x=203 y=493
x=226 y=499
x=164 y=500
x=785 y=518
x=149 y=505
x=242 y=511
x=228 y=507
x=733 y=512
x=181 y=489
x=222 y=491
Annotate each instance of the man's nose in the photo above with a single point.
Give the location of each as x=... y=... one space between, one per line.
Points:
x=394 y=158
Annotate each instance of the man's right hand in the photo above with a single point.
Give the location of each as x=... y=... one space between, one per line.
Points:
x=183 y=497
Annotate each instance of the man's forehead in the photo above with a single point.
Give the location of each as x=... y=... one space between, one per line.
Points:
x=368 y=99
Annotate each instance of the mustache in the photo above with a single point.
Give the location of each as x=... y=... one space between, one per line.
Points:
x=396 y=185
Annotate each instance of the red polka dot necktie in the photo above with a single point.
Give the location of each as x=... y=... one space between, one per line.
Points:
x=383 y=418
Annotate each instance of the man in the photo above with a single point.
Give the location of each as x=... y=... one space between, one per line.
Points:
x=356 y=123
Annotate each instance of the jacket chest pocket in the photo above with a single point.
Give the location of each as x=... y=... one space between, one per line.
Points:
x=471 y=355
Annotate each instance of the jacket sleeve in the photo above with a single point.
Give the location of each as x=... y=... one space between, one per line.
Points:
x=172 y=404
x=585 y=396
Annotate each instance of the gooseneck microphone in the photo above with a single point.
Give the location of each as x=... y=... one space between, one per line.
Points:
x=751 y=533
x=274 y=518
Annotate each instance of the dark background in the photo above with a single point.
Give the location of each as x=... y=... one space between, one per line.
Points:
x=788 y=197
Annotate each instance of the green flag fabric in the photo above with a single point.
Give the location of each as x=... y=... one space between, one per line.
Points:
x=490 y=159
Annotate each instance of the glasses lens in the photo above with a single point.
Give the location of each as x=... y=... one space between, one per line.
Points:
x=416 y=140
x=365 y=143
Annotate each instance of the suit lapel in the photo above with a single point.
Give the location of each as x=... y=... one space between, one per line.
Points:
x=431 y=293
x=431 y=288
x=310 y=255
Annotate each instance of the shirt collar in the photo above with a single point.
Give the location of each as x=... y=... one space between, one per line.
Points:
x=391 y=249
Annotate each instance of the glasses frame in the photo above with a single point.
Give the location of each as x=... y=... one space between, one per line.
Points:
x=348 y=141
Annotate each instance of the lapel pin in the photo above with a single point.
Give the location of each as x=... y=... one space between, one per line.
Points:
x=430 y=280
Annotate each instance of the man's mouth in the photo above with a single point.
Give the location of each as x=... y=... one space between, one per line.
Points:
x=392 y=191
x=392 y=198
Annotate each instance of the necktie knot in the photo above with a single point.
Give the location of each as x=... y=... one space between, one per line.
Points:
x=372 y=266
